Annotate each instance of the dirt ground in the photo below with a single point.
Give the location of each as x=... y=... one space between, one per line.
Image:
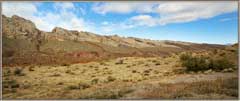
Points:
x=122 y=78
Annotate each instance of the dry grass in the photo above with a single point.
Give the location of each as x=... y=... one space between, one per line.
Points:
x=104 y=79
x=196 y=90
x=57 y=78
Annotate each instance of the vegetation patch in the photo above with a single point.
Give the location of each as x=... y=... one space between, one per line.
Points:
x=202 y=63
x=220 y=87
x=18 y=72
x=31 y=68
x=110 y=78
x=80 y=86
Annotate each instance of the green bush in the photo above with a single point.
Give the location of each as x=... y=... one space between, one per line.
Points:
x=18 y=72
x=119 y=62
x=79 y=86
x=83 y=85
x=110 y=78
x=31 y=68
x=95 y=81
x=202 y=63
x=8 y=53
x=65 y=64
x=71 y=87
x=220 y=64
x=158 y=64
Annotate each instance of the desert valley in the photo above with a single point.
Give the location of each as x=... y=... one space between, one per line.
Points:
x=68 y=64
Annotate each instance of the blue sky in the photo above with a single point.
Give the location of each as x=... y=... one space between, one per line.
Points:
x=201 y=22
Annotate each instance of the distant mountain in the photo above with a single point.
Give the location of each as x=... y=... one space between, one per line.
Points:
x=20 y=35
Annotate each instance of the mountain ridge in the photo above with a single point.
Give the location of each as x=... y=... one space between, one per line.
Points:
x=63 y=34
x=22 y=39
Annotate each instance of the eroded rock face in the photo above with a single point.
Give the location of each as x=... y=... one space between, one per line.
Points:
x=17 y=27
x=80 y=45
x=20 y=28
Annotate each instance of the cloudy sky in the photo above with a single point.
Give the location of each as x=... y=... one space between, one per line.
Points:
x=202 y=22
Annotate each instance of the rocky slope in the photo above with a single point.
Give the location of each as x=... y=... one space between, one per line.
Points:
x=20 y=38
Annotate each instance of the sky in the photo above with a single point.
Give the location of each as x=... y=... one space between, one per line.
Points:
x=214 y=22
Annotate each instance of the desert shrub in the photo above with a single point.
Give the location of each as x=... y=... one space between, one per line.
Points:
x=194 y=63
x=31 y=68
x=65 y=64
x=83 y=85
x=146 y=74
x=185 y=56
x=146 y=65
x=134 y=71
x=55 y=75
x=232 y=50
x=68 y=71
x=119 y=62
x=220 y=64
x=14 y=83
x=215 y=51
x=8 y=53
x=146 y=71
x=18 y=72
x=105 y=68
x=79 y=86
x=95 y=81
x=128 y=66
x=110 y=79
x=222 y=54
x=139 y=62
x=157 y=64
x=202 y=63
x=25 y=85
x=102 y=63
x=96 y=69
x=125 y=80
x=60 y=83
x=155 y=72
x=154 y=61
x=91 y=66
x=7 y=73
x=10 y=83
x=71 y=87
x=194 y=90
x=108 y=93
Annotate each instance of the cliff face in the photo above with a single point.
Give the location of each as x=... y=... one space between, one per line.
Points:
x=17 y=27
x=20 y=28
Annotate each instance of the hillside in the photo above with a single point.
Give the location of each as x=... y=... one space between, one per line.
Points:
x=21 y=37
x=66 y=64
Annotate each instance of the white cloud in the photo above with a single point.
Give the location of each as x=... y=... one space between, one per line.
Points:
x=81 y=10
x=167 y=12
x=122 y=7
x=64 y=5
x=226 y=19
x=105 y=23
x=17 y=8
x=143 y=20
x=190 y=11
x=47 y=20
